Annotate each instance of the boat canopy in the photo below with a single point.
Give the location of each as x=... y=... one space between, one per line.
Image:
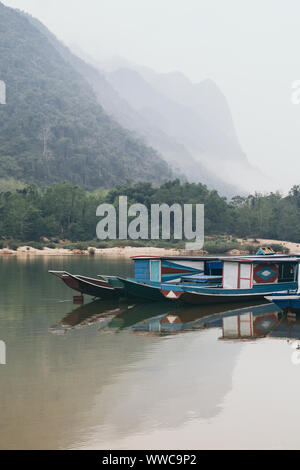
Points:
x=165 y=269
x=177 y=258
x=249 y=273
x=265 y=259
x=173 y=268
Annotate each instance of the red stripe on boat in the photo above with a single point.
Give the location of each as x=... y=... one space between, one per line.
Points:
x=176 y=270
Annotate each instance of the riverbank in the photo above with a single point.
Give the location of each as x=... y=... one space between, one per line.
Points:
x=246 y=246
x=126 y=252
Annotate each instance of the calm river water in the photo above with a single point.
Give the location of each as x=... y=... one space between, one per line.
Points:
x=110 y=375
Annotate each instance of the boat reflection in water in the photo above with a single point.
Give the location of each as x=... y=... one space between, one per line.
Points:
x=99 y=311
x=108 y=316
x=242 y=323
x=245 y=323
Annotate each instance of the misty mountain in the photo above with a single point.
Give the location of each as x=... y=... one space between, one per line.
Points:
x=195 y=116
x=53 y=127
x=132 y=116
x=190 y=125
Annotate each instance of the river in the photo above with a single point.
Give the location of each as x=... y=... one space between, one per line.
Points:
x=113 y=375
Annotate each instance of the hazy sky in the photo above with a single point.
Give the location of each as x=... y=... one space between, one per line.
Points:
x=250 y=48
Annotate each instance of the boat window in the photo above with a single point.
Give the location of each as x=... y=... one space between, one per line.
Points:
x=286 y=272
x=213 y=268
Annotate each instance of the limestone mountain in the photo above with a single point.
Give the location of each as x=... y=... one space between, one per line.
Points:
x=53 y=127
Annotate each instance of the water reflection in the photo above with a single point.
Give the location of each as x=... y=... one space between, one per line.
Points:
x=99 y=311
x=134 y=375
x=242 y=323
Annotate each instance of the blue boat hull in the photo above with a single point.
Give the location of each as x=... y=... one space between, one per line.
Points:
x=286 y=302
x=193 y=294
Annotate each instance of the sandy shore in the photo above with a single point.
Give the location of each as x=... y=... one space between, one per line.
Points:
x=126 y=252
x=129 y=251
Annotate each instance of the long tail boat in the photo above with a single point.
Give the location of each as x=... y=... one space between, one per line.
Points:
x=153 y=271
x=169 y=269
x=158 y=278
x=100 y=288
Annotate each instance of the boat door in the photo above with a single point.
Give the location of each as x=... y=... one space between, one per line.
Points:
x=244 y=276
x=155 y=270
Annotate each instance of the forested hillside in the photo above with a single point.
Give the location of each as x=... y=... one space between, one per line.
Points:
x=52 y=127
x=65 y=211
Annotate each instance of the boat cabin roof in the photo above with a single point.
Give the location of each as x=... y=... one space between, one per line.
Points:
x=178 y=258
x=259 y=259
x=247 y=259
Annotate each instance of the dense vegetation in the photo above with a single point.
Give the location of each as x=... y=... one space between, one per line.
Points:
x=67 y=212
x=57 y=144
x=52 y=128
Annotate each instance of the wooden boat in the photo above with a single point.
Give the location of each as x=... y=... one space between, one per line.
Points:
x=150 y=271
x=244 y=279
x=153 y=271
x=100 y=288
x=145 y=268
x=286 y=302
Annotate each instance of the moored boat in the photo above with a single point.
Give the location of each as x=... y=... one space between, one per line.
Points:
x=160 y=278
x=100 y=288
x=244 y=279
x=167 y=269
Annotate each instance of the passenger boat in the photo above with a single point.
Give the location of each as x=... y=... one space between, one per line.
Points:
x=100 y=288
x=158 y=278
x=150 y=273
x=244 y=278
x=145 y=268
